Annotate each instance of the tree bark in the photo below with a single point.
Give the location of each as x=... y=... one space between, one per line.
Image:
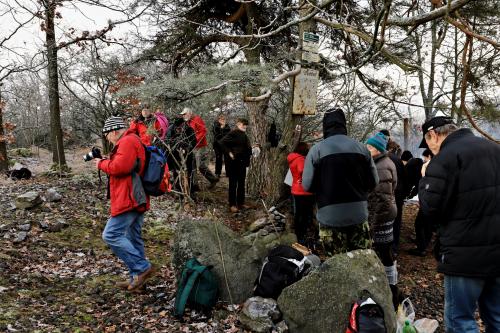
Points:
x=4 y=161
x=58 y=157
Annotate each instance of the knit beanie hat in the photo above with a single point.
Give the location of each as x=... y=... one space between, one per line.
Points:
x=379 y=141
x=406 y=156
x=112 y=124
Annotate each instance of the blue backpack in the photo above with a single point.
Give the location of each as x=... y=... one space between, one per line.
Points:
x=156 y=170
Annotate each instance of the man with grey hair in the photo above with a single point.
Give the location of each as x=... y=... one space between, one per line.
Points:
x=460 y=190
x=200 y=151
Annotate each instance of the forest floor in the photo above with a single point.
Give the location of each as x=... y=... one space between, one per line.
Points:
x=61 y=279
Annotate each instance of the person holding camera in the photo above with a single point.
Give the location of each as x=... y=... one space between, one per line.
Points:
x=122 y=233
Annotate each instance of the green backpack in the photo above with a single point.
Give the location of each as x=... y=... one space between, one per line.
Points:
x=197 y=287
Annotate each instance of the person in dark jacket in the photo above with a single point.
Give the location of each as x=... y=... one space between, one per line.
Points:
x=406 y=156
x=219 y=130
x=122 y=232
x=303 y=200
x=340 y=172
x=382 y=209
x=392 y=152
x=237 y=146
x=460 y=190
x=423 y=226
x=181 y=140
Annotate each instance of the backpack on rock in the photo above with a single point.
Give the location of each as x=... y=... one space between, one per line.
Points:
x=283 y=266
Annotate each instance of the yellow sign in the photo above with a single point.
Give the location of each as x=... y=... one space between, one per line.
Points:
x=305 y=89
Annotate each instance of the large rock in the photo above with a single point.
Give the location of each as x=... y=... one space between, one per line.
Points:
x=259 y=314
x=322 y=300
x=52 y=195
x=204 y=240
x=28 y=200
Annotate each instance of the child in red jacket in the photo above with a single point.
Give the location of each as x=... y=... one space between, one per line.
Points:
x=303 y=201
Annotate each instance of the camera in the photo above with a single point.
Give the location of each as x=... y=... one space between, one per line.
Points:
x=94 y=153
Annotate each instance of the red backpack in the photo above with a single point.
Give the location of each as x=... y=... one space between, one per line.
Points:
x=366 y=317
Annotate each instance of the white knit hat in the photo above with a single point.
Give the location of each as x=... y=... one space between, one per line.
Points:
x=113 y=124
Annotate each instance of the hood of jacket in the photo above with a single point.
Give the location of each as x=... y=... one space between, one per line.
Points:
x=334 y=123
x=293 y=156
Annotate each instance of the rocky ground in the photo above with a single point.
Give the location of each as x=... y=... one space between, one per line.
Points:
x=61 y=277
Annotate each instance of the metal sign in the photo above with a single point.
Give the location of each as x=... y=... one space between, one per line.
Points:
x=305 y=89
x=310 y=56
x=310 y=42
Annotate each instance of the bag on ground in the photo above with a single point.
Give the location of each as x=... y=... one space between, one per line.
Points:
x=197 y=288
x=282 y=267
x=366 y=317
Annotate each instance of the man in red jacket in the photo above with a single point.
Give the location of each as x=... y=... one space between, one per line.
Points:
x=200 y=150
x=128 y=201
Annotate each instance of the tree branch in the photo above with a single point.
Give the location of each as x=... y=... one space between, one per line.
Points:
x=429 y=16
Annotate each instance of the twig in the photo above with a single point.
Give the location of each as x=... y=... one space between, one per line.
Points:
x=223 y=265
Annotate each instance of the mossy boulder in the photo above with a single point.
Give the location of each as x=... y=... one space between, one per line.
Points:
x=321 y=301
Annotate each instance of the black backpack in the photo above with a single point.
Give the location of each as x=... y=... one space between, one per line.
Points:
x=282 y=267
x=366 y=317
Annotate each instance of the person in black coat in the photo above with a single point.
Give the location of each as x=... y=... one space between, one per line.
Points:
x=237 y=146
x=219 y=130
x=423 y=226
x=460 y=190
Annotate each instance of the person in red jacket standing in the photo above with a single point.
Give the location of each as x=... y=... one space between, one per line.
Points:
x=144 y=124
x=303 y=200
x=122 y=233
x=200 y=151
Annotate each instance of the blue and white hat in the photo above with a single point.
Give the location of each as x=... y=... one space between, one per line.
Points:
x=112 y=124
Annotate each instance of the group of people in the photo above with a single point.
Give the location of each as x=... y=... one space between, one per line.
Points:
x=359 y=204
x=185 y=143
x=355 y=189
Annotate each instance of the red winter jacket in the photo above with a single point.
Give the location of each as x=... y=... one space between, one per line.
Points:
x=200 y=130
x=125 y=187
x=141 y=129
x=296 y=164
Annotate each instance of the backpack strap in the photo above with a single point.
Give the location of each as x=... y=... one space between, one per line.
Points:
x=188 y=280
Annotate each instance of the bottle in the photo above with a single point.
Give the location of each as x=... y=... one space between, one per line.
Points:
x=408 y=328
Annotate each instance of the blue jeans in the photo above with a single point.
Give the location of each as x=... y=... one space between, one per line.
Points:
x=462 y=295
x=123 y=235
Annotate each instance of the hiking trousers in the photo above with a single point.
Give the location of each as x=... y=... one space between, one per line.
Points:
x=123 y=234
x=236 y=170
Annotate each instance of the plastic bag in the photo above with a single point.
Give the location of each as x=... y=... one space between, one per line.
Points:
x=426 y=325
x=406 y=311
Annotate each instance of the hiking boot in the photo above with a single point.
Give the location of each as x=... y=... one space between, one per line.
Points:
x=123 y=284
x=233 y=209
x=416 y=252
x=213 y=183
x=139 y=280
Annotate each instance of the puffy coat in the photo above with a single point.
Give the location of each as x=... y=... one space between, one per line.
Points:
x=125 y=187
x=200 y=130
x=461 y=192
x=296 y=164
x=140 y=126
x=381 y=201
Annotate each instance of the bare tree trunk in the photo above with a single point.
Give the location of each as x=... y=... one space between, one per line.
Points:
x=58 y=157
x=4 y=160
x=259 y=177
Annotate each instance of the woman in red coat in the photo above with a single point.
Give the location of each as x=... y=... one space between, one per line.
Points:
x=303 y=201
